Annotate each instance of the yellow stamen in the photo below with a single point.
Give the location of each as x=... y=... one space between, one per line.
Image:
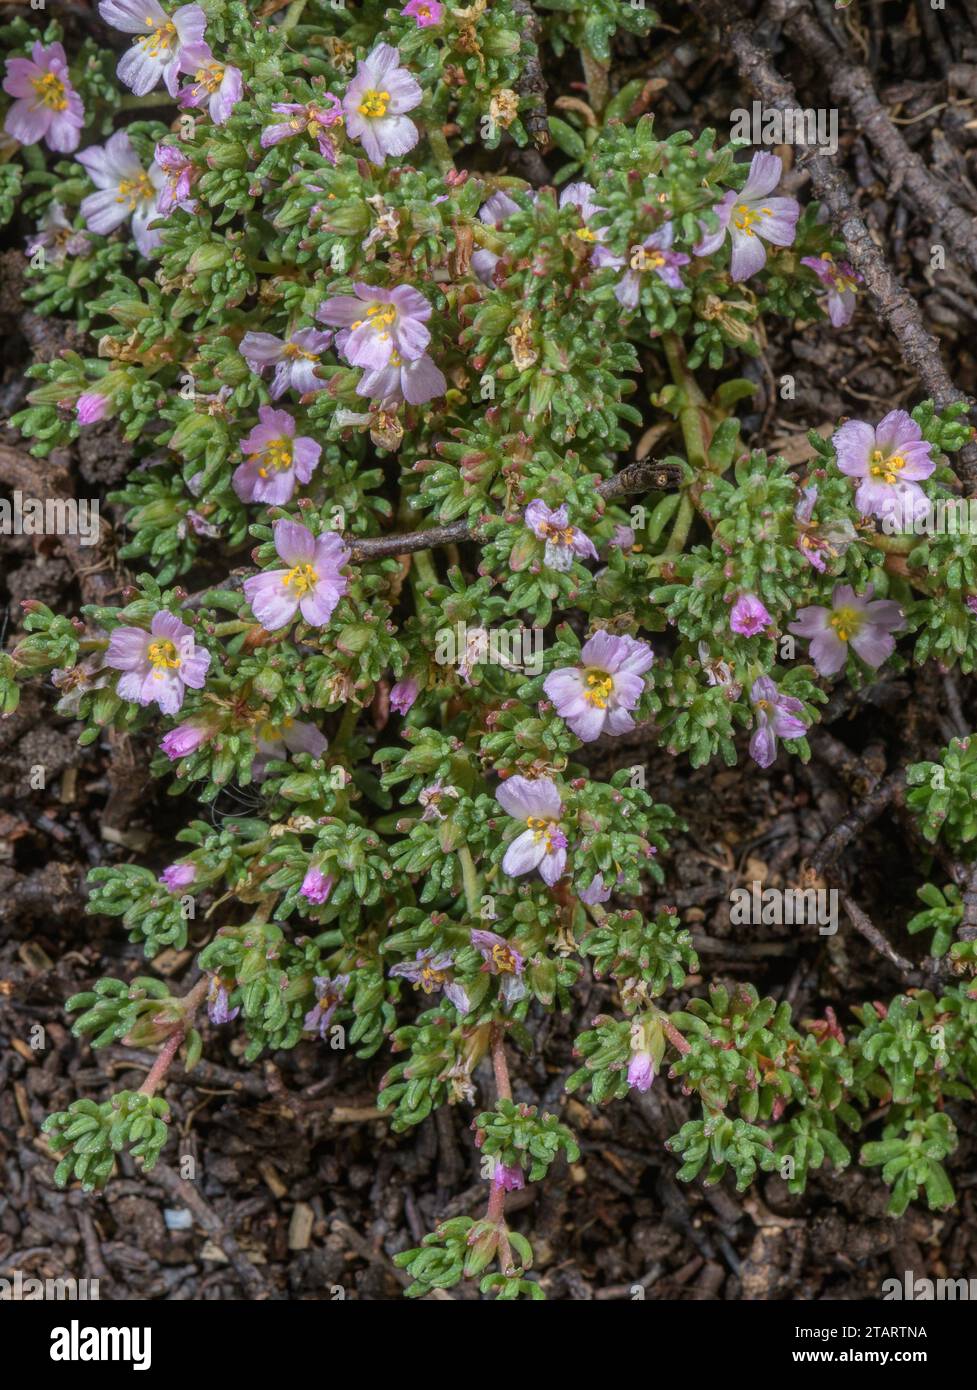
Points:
x=164 y=654
x=374 y=104
x=888 y=469
x=302 y=579
x=600 y=687
x=136 y=191
x=846 y=622
x=50 y=92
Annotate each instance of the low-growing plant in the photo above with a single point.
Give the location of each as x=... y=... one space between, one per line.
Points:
x=381 y=400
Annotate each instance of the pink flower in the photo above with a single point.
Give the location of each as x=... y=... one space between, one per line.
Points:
x=581 y=196
x=219 y=1001
x=178 y=175
x=508 y=1176
x=125 y=190
x=158 y=664
x=563 y=541
x=329 y=995
x=276 y=741
x=852 y=620
x=820 y=543
x=313 y=119
x=218 y=86
x=90 y=407
x=425 y=13
x=316 y=886
x=275 y=459
x=415 y=382
x=504 y=960
x=751 y=217
x=748 y=616
x=654 y=254
x=294 y=359
x=493 y=212
x=776 y=717
x=403 y=695
x=543 y=845
x=57 y=236
x=842 y=282
x=376 y=102
x=312 y=584
x=165 y=39
x=599 y=694
x=46 y=106
x=178 y=876
x=186 y=739
x=377 y=324
x=641 y=1071
x=890 y=460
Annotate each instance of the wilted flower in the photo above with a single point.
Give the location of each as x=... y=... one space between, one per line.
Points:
x=776 y=717
x=595 y=892
x=125 y=190
x=858 y=620
x=294 y=359
x=375 y=104
x=57 y=236
x=841 y=280
x=431 y=797
x=751 y=217
x=329 y=995
x=312 y=584
x=46 y=106
x=218 y=1001
x=655 y=255
x=889 y=459
x=431 y=971
x=403 y=695
x=178 y=876
x=563 y=541
x=424 y=13
x=158 y=664
x=378 y=324
x=179 y=173
x=748 y=616
x=216 y=85
x=819 y=544
x=599 y=694
x=312 y=118
x=275 y=459
x=504 y=960
x=508 y=1176
x=316 y=886
x=543 y=845
x=160 y=52
x=493 y=212
x=647 y=1049
x=719 y=671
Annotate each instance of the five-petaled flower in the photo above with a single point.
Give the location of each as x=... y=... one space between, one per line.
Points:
x=599 y=694
x=276 y=458
x=164 y=41
x=819 y=543
x=655 y=254
x=776 y=717
x=378 y=325
x=543 y=844
x=312 y=585
x=46 y=106
x=376 y=103
x=125 y=189
x=890 y=460
x=751 y=217
x=563 y=541
x=431 y=971
x=841 y=281
x=159 y=664
x=503 y=960
x=856 y=620
x=294 y=359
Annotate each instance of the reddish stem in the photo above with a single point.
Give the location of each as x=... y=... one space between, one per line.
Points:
x=164 y=1059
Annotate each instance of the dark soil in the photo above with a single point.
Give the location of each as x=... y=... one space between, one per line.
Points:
x=302 y=1191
